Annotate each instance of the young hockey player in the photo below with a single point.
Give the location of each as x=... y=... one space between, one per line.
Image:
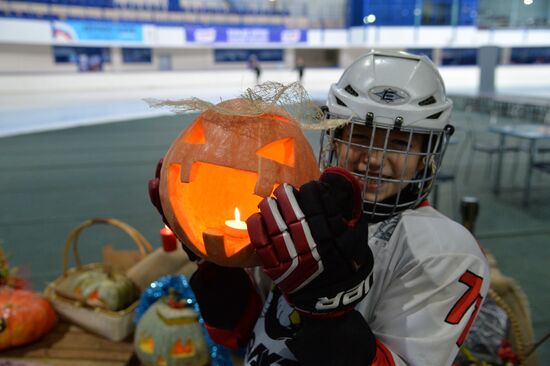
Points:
x=361 y=270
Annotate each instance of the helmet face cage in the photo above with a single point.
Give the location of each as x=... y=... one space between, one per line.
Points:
x=397 y=103
x=336 y=150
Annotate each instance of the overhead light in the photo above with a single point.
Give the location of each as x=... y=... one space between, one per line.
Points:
x=371 y=18
x=527 y=2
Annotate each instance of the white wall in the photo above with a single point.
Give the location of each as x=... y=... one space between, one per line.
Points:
x=349 y=55
x=25 y=31
x=191 y=58
x=40 y=32
x=29 y=58
x=15 y=58
x=25 y=46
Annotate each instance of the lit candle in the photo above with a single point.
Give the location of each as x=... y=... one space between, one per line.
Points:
x=169 y=242
x=236 y=227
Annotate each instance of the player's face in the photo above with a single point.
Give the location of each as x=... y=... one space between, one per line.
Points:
x=381 y=165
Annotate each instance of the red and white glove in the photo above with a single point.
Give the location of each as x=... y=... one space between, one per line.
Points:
x=313 y=243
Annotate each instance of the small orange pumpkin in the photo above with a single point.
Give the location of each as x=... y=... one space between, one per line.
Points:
x=225 y=161
x=25 y=316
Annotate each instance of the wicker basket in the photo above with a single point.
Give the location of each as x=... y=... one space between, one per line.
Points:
x=114 y=325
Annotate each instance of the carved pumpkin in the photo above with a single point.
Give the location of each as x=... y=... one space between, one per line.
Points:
x=24 y=317
x=109 y=290
x=169 y=333
x=226 y=161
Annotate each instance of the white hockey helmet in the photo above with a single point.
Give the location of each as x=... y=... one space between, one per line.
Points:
x=391 y=91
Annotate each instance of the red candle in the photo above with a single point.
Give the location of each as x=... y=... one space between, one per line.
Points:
x=169 y=242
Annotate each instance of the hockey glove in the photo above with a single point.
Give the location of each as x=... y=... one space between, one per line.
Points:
x=313 y=243
x=343 y=341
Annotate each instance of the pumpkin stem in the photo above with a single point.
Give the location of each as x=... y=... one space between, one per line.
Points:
x=3 y=325
x=173 y=301
x=8 y=276
x=109 y=271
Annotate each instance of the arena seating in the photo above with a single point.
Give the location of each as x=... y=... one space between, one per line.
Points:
x=154 y=11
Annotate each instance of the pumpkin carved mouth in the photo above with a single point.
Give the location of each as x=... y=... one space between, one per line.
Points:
x=208 y=200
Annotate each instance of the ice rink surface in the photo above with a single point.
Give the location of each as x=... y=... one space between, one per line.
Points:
x=41 y=102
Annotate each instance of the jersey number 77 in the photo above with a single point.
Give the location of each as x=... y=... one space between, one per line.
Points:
x=469 y=298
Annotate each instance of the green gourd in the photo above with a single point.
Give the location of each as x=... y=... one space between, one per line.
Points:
x=108 y=290
x=169 y=334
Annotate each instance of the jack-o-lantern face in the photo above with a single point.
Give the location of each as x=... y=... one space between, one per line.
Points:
x=222 y=162
x=167 y=335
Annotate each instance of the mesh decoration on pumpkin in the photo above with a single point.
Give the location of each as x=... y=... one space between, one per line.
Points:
x=259 y=100
x=231 y=156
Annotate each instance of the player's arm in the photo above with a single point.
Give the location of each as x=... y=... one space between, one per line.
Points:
x=228 y=301
x=313 y=244
x=423 y=317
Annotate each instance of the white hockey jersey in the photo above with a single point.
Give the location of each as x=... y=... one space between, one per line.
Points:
x=429 y=279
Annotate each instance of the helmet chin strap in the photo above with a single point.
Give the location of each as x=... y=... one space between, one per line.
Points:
x=409 y=197
x=390 y=207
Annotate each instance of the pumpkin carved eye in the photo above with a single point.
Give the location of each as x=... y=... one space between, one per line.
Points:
x=281 y=151
x=180 y=350
x=147 y=344
x=195 y=135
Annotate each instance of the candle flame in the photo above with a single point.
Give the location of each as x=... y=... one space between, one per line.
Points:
x=236 y=227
